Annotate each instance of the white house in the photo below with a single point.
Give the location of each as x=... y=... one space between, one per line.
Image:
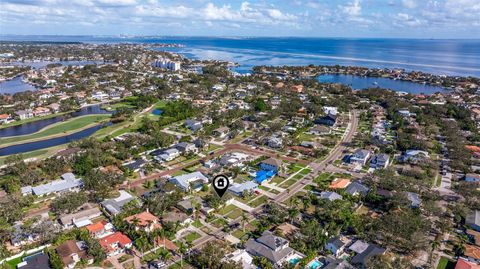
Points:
x=184 y=181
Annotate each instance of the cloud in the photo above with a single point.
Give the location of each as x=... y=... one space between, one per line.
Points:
x=409 y=3
x=353 y=9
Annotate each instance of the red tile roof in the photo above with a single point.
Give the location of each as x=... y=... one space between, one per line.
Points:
x=116 y=238
x=472 y=251
x=4 y=116
x=144 y=219
x=96 y=227
x=462 y=264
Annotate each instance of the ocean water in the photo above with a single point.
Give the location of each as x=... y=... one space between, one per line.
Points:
x=449 y=57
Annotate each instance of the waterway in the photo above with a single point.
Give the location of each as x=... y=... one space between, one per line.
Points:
x=35 y=126
x=27 y=147
x=359 y=83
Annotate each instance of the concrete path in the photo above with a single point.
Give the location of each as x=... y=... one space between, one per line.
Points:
x=241 y=205
x=275 y=187
x=266 y=193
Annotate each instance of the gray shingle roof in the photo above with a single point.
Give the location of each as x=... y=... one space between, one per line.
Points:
x=271 y=247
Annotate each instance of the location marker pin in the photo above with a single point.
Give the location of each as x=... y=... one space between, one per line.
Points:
x=220 y=184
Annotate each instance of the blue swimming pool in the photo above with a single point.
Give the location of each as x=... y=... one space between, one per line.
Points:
x=295 y=260
x=314 y=264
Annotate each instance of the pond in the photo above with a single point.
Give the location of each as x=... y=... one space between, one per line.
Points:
x=35 y=126
x=359 y=83
x=26 y=147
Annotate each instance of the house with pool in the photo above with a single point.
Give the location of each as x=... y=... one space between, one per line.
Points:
x=268 y=169
x=274 y=248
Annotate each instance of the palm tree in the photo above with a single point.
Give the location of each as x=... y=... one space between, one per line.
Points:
x=182 y=248
x=244 y=220
x=306 y=203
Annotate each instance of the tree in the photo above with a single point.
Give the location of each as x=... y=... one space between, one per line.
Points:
x=212 y=256
x=69 y=202
x=182 y=248
x=244 y=220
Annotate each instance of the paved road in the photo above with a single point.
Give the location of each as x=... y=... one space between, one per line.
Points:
x=335 y=154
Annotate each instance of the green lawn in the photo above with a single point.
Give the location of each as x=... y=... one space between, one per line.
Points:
x=59 y=128
x=226 y=209
x=305 y=171
x=234 y=214
x=445 y=264
x=260 y=200
x=192 y=237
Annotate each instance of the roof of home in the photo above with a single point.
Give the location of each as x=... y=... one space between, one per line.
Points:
x=97 y=227
x=35 y=261
x=371 y=251
x=463 y=264
x=68 y=248
x=241 y=187
x=336 y=242
x=162 y=241
x=413 y=198
x=359 y=246
x=174 y=216
x=86 y=212
x=339 y=183
x=472 y=251
x=67 y=182
x=184 y=180
x=115 y=238
x=287 y=228
x=269 y=246
x=361 y=153
x=330 y=195
x=473 y=218
x=144 y=218
x=114 y=206
x=357 y=187
x=272 y=161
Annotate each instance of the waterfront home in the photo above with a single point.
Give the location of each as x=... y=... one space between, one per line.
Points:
x=470 y=177
x=115 y=243
x=24 y=114
x=100 y=96
x=41 y=111
x=380 y=161
x=473 y=220
x=274 y=248
x=5 y=118
x=100 y=229
x=35 y=261
x=145 y=221
x=115 y=205
x=82 y=218
x=186 y=181
x=54 y=107
x=71 y=252
x=67 y=183
x=337 y=245
x=240 y=189
x=360 y=156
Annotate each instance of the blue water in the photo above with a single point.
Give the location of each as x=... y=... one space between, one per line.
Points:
x=315 y=264
x=35 y=126
x=21 y=148
x=294 y=261
x=451 y=57
x=358 y=83
x=15 y=85
x=157 y=112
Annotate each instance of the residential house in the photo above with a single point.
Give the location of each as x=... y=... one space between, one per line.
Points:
x=41 y=111
x=20 y=236
x=473 y=220
x=5 y=118
x=242 y=257
x=472 y=253
x=360 y=156
x=54 y=107
x=221 y=132
x=463 y=264
x=136 y=165
x=330 y=195
x=187 y=205
x=380 y=161
x=330 y=110
x=145 y=221
x=100 y=96
x=195 y=179
x=337 y=245
x=357 y=188
x=24 y=114
x=176 y=216
x=193 y=125
x=35 y=261
x=115 y=243
x=185 y=147
x=273 y=248
x=275 y=142
x=328 y=120
x=287 y=229
x=339 y=183
x=71 y=252
x=470 y=177
x=67 y=183
x=115 y=205
x=414 y=198
x=271 y=164
x=100 y=229
x=414 y=156
x=81 y=218
x=168 y=155
x=364 y=252
x=320 y=130
x=240 y=188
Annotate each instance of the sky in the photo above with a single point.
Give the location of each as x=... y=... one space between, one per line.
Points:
x=308 y=18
